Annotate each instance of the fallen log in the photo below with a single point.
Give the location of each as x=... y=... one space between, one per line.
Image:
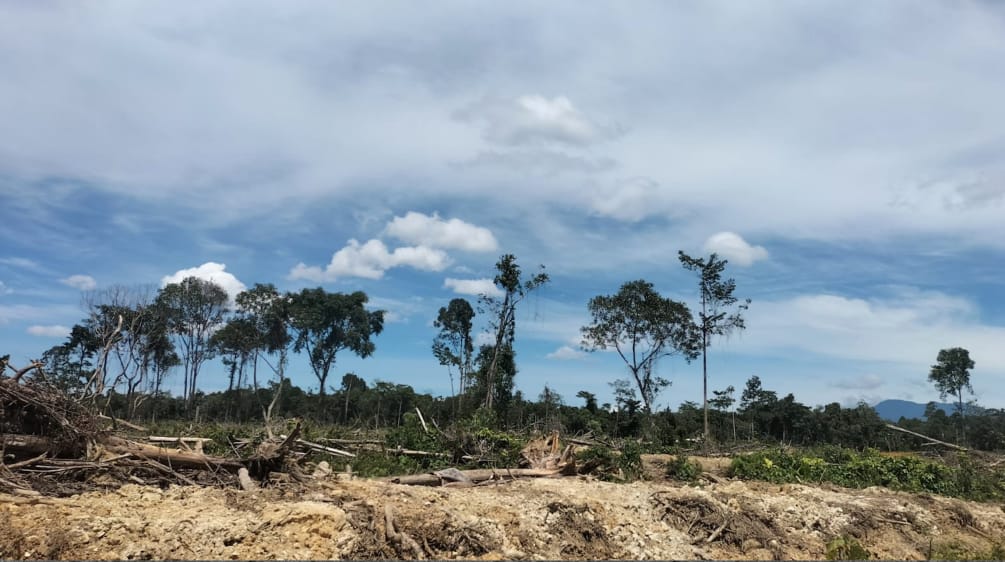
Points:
x=324 y=449
x=477 y=475
x=171 y=458
x=926 y=438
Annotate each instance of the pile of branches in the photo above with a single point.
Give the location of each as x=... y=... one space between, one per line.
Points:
x=52 y=443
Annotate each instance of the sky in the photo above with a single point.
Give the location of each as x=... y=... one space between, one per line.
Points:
x=847 y=159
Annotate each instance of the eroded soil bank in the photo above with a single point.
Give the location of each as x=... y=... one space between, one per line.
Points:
x=562 y=518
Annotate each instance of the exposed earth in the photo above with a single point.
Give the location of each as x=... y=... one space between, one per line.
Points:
x=539 y=518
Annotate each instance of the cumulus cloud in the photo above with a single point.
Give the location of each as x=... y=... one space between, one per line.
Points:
x=209 y=271
x=735 y=249
x=54 y=331
x=474 y=287
x=82 y=282
x=533 y=119
x=434 y=232
x=371 y=260
x=566 y=353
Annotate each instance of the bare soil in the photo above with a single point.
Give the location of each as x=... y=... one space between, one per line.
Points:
x=543 y=518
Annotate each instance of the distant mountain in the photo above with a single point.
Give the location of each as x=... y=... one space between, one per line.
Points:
x=893 y=410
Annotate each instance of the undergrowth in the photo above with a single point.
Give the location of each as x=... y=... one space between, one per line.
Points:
x=853 y=469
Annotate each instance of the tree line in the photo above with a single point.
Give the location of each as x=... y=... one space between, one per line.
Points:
x=120 y=354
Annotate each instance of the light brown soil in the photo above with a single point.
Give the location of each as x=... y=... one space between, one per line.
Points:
x=566 y=518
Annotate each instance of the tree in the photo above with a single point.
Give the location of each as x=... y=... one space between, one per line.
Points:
x=453 y=346
x=514 y=288
x=268 y=315
x=327 y=323
x=951 y=374
x=194 y=309
x=643 y=327
x=715 y=318
x=591 y=400
x=723 y=401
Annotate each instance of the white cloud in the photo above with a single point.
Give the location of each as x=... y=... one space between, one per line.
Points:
x=735 y=249
x=534 y=118
x=474 y=287
x=4 y=289
x=54 y=331
x=371 y=260
x=209 y=271
x=566 y=353
x=869 y=381
x=82 y=282
x=23 y=263
x=630 y=200
x=907 y=328
x=484 y=338
x=434 y=232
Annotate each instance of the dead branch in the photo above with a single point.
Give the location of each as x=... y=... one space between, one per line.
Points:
x=400 y=540
x=18 y=373
x=123 y=422
x=422 y=420
x=926 y=438
x=477 y=475
x=322 y=448
x=29 y=462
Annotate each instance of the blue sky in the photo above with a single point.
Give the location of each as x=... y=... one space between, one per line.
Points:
x=846 y=159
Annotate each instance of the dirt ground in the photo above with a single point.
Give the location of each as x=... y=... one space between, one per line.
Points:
x=544 y=518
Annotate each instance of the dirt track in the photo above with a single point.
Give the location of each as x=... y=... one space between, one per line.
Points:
x=570 y=518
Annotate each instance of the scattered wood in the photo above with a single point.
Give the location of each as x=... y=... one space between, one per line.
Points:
x=422 y=420
x=474 y=476
x=404 y=543
x=324 y=449
x=29 y=462
x=130 y=425
x=925 y=437
x=715 y=534
x=171 y=458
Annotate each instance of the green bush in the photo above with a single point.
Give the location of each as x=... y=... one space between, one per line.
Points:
x=869 y=468
x=680 y=468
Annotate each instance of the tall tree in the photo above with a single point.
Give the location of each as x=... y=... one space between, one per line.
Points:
x=514 y=288
x=194 y=309
x=643 y=327
x=326 y=323
x=951 y=374
x=717 y=318
x=268 y=313
x=453 y=346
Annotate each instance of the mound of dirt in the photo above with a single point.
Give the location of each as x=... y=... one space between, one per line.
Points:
x=560 y=518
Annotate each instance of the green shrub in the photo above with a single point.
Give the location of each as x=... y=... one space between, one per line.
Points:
x=846 y=548
x=869 y=468
x=680 y=468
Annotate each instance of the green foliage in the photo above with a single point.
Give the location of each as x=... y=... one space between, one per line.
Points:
x=869 y=468
x=642 y=326
x=951 y=373
x=846 y=548
x=957 y=551
x=680 y=468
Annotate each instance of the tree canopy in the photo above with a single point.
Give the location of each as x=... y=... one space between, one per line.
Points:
x=643 y=327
